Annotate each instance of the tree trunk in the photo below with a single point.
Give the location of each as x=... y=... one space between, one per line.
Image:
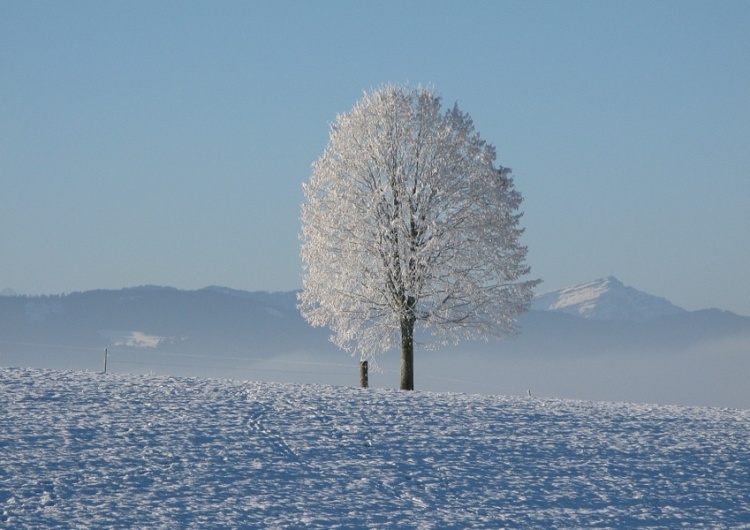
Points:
x=407 y=352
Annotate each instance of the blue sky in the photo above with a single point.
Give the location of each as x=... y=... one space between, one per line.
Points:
x=166 y=142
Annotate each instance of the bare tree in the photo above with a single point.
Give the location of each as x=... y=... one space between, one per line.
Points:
x=408 y=220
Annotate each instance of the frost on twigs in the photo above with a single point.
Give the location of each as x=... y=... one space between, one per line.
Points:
x=408 y=220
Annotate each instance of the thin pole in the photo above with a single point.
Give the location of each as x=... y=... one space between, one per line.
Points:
x=105 y=360
x=363 y=376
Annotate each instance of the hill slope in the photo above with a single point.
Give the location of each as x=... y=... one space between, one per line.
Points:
x=103 y=451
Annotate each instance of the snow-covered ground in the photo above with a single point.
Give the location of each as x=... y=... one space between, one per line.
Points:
x=92 y=450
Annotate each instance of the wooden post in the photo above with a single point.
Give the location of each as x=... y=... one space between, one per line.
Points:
x=105 y=360
x=363 y=377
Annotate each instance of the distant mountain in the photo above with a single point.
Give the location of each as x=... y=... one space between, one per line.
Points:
x=8 y=292
x=142 y=325
x=606 y=299
x=600 y=340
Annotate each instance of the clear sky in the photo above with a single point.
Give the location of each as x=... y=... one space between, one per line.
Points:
x=166 y=143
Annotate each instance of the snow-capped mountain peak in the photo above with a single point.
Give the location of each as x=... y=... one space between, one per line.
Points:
x=605 y=299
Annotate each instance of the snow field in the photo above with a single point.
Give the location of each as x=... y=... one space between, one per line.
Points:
x=90 y=450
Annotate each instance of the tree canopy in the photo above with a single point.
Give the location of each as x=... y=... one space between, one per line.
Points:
x=408 y=220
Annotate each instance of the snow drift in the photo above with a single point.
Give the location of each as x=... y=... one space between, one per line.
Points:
x=89 y=450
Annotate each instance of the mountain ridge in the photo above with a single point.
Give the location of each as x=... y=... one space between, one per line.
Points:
x=682 y=357
x=606 y=299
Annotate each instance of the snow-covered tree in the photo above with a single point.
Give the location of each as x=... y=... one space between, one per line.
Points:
x=407 y=220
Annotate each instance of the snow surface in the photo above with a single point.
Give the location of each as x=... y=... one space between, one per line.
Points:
x=606 y=299
x=92 y=450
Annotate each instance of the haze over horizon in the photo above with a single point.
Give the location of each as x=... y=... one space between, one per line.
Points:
x=601 y=341
x=166 y=143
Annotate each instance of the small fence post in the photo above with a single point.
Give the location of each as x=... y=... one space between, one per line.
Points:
x=363 y=376
x=105 y=360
